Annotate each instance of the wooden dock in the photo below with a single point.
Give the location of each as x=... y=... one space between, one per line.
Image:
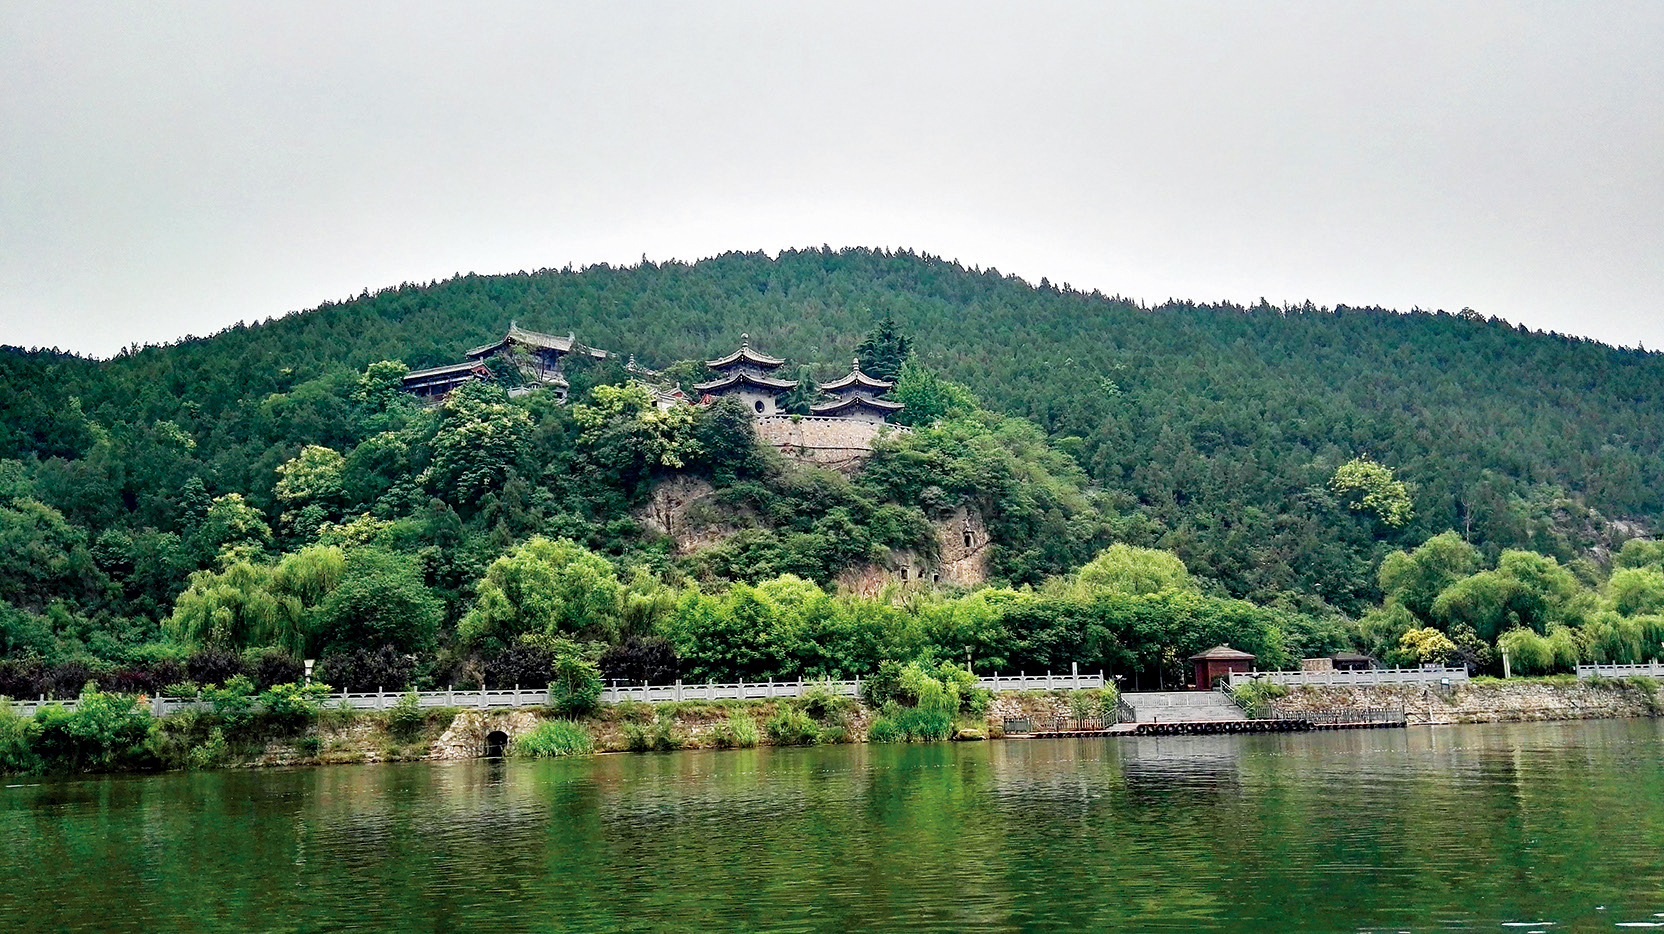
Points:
x=1371 y=720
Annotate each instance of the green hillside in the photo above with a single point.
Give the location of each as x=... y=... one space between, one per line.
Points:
x=1212 y=432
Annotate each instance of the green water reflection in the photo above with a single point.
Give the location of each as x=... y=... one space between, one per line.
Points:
x=1469 y=828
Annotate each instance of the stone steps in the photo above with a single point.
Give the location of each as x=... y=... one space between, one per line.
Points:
x=1181 y=706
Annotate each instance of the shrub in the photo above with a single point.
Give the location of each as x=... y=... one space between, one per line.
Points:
x=212 y=666
x=665 y=735
x=1255 y=697
x=819 y=702
x=924 y=724
x=362 y=670
x=211 y=752
x=266 y=667
x=289 y=708
x=106 y=731
x=739 y=731
x=789 y=727
x=553 y=738
x=645 y=660
x=16 y=754
x=405 y=718
x=884 y=730
x=308 y=746
x=233 y=703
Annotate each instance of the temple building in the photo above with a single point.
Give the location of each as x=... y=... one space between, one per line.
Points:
x=746 y=376
x=535 y=355
x=437 y=382
x=857 y=398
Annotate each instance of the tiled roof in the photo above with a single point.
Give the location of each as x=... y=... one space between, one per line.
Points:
x=855 y=402
x=745 y=355
x=736 y=378
x=856 y=378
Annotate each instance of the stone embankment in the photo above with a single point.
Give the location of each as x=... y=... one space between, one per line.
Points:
x=1488 y=701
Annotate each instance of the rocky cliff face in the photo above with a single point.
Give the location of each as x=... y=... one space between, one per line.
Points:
x=686 y=510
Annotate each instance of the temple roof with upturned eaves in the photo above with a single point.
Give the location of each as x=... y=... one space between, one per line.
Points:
x=857 y=380
x=450 y=369
x=746 y=355
x=851 y=403
x=519 y=335
x=742 y=377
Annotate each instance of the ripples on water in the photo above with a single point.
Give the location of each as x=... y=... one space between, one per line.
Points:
x=1552 y=827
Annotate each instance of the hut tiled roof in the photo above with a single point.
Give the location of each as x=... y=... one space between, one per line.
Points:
x=745 y=355
x=1220 y=651
x=857 y=380
x=881 y=406
x=519 y=335
x=449 y=369
x=736 y=378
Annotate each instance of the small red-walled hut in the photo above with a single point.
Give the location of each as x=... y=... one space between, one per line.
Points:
x=1215 y=662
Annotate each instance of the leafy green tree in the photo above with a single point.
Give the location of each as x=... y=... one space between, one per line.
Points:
x=543 y=586
x=380 y=600
x=233 y=531
x=481 y=437
x=1129 y=569
x=800 y=400
x=1428 y=645
x=44 y=558
x=232 y=609
x=1526 y=590
x=928 y=397
x=1370 y=487
x=630 y=438
x=1636 y=591
x=1641 y=553
x=884 y=349
x=312 y=476
x=1414 y=579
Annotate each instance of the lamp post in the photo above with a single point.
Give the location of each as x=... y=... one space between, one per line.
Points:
x=968 y=660
x=309 y=663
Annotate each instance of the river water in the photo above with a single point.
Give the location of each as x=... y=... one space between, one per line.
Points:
x=1505 y=828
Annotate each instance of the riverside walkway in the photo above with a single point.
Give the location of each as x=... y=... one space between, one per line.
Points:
x=615 y=693
x=1167 y=713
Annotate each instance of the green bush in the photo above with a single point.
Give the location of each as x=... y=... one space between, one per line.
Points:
x=553 y=738
x=233 y=702
x=576 y=686
x=16 y=754
x=659 y=736
x=923 y=724
x=308 y=746
x=739 y=731
x=405 y=718
x=105 y=732
x=211 y=752
x=289 y=708
x=884 y=730
x=1255 y=697
x=789 y=727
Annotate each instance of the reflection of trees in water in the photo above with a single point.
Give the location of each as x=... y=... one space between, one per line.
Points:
x=1273 y=833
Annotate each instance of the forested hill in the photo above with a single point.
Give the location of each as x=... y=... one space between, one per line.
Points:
x=1220 y=424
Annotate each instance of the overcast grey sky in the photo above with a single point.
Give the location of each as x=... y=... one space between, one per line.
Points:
x=170 y=168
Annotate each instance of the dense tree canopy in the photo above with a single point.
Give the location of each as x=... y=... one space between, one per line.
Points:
x=1300 y=478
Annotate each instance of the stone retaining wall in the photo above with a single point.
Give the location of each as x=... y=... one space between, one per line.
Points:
x=829 y=442
x=1487 y=701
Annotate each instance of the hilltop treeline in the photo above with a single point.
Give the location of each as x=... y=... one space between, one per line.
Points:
x=1074 y=421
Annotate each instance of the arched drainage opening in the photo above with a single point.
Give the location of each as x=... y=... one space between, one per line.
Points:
x=496 y=744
